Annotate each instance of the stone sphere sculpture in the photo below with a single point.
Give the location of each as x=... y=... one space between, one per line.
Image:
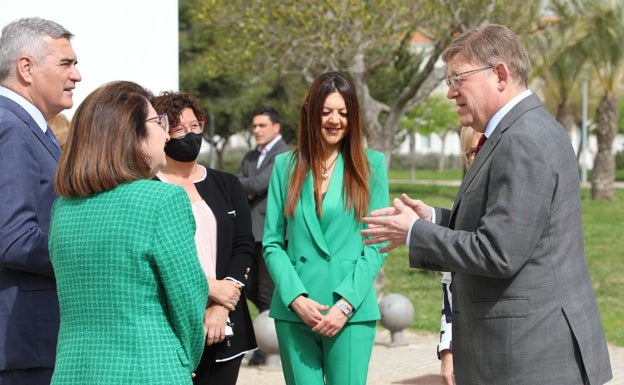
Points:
x=397 y=312
x=266 y=337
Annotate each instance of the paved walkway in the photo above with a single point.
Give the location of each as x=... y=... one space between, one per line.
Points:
x=413 y=364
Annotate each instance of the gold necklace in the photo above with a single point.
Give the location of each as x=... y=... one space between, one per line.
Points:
x=325 y=173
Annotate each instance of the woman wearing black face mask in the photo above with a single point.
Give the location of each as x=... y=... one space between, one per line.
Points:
x=223 y=238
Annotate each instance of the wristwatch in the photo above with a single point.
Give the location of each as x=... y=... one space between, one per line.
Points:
x=344 y=308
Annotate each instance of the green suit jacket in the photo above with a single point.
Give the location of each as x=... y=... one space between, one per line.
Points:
x=131 y=290
x=325 y=258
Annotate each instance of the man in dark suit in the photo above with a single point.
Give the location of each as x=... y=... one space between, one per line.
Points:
x=254 y=174
x=524 y=310
x=37 y=77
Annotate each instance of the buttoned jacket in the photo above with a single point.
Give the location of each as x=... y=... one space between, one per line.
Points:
x=325 y=258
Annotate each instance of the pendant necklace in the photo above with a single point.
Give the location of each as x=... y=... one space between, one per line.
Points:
x=325 y=173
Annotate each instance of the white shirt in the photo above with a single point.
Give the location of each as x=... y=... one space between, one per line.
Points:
x=265 y=150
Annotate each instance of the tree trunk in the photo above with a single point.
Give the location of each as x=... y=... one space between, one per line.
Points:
x=565 y=116
x=412 y=156
x=603 y=174
x=442 y=158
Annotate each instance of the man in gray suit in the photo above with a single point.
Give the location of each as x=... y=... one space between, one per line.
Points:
x=524 y=311
x=254 y=174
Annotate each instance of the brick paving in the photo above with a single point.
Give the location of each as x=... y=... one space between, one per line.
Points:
x=411 y=364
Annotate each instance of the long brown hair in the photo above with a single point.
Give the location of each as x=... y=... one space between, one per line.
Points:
x=103 y=149
x=311 y=151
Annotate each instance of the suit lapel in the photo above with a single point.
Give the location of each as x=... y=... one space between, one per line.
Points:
x=21 y=113
x=274 y=151
x=252 y=162
x=36 y=130
x=47 y=142
x=530 y=102
x=334 y=197
x=308 y=207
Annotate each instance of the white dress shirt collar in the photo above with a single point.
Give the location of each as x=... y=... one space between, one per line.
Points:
x=270 y=145
x=500 y=114
x=265 y=150
x=28 y=106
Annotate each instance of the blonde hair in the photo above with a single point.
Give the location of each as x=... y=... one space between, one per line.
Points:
x=59 y=124
x=466 y=140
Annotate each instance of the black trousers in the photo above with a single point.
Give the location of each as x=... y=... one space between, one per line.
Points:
x=210 y=372
x=259 y=287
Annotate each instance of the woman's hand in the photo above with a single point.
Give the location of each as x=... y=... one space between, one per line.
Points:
x=215 y=319
x=225 y=292
x=308 y=310
x=332 y=322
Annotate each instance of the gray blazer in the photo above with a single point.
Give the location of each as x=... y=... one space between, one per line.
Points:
x=255 y=182
x=524 y=311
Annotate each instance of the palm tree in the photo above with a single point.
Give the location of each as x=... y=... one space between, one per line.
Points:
x=605 y=50
x=558 y=63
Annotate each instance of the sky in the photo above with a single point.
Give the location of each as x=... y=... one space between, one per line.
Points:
x=133 y=40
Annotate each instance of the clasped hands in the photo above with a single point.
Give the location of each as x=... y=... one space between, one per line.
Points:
x=224 y=295
x=391 y=224
x=310 y=312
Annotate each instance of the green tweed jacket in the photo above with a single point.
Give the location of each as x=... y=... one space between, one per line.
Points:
x=131 y=291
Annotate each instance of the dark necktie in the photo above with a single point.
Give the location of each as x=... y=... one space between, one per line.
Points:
x=482 y=140
x=50 y=135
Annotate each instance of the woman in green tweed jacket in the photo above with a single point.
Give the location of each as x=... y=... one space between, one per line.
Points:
x=131 y=291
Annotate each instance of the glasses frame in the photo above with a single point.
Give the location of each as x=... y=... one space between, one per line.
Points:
x=468 y=154
x=187 y=128
x=159 y=120
x=455 y=80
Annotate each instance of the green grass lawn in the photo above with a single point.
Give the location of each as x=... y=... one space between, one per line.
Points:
x=449 y=174
x=456 y=174
x=604 y=247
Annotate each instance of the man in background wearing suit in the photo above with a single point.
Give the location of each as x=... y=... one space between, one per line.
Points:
x=254 y=174
x=37 y=77
x=524 y=310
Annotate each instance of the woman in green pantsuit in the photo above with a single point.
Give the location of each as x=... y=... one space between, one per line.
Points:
x=324 y=303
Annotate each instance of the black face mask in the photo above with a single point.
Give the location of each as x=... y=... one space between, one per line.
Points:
x=184 y=149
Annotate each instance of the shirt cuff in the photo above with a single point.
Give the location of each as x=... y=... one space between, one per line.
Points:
x=409 y=233
x=234 y=279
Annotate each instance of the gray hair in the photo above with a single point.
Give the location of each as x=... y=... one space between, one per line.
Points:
x=27 y=37
x=489 y=44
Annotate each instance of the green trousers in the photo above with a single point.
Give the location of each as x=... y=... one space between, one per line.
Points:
x=309 y=358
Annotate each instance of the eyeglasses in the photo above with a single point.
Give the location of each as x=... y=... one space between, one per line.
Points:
x=468 y=155
x=196 y=127
x=162 y=121
x=455 y=81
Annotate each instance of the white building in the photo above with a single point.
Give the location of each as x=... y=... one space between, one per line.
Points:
x=114 y=40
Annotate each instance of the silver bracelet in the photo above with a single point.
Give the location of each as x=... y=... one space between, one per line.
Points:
x=344 y=308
